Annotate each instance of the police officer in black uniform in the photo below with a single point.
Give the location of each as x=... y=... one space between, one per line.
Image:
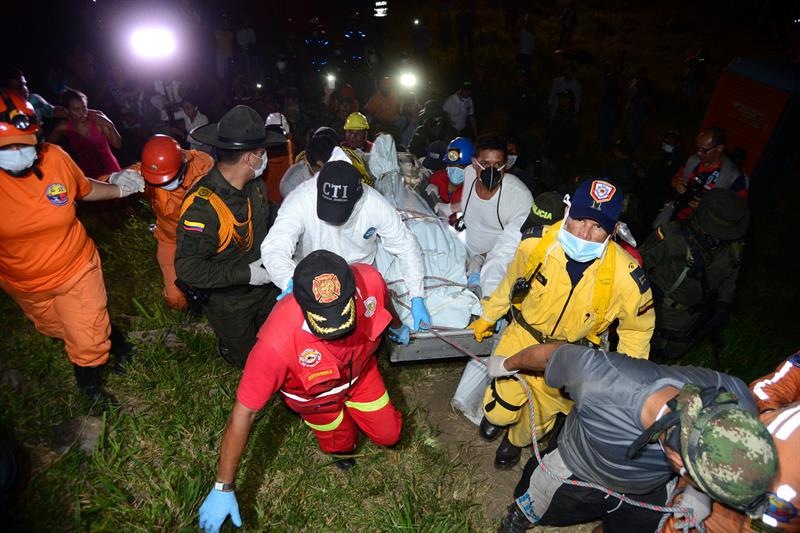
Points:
x=224 y=218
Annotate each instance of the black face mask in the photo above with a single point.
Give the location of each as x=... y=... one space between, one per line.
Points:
x=491 y=178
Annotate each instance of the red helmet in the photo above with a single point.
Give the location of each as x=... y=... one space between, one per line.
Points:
x=162 y=159
x=18 y=121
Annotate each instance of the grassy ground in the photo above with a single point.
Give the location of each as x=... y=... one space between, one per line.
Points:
x=157 y=454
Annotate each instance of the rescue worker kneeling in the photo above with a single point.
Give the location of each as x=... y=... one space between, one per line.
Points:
x=567 y=282
x=318 y=349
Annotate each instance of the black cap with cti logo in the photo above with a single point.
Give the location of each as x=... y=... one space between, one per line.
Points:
x=338 y=190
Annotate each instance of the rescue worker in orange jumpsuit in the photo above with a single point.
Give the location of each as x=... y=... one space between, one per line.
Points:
x=169 y=172
x=777 y=396
x=48 y=264
x=317 y=348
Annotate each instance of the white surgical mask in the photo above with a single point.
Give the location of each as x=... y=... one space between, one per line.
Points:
x=260 y=170
x=510 y=160
x=667 y=147
x=578 y=249
x=17 y=160
x=455 y=175
x=171 y=186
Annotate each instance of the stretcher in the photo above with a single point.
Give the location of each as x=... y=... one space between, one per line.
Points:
x=427 y=346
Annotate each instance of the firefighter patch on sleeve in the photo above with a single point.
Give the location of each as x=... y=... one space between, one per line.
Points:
x=370 y=306
x=640 y=277
x=310 y=358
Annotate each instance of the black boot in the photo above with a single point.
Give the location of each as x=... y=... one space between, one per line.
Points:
x=489 y=431
x=344 y=463
x=121 y=349
x=89 y=382
x=507 y=455
x=515 y=521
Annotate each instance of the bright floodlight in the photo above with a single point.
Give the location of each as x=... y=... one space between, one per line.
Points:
x=416 y=22
x=258 y=85
x=331 y=78
x=408 y=80
x=153 y=43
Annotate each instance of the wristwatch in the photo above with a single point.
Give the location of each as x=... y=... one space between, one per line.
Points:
x=224 y=487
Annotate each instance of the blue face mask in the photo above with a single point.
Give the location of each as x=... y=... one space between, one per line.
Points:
x=455 y=175
x=578 y=249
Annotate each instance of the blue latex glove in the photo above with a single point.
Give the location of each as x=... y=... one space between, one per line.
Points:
x=474 y=279
x=420 y=314
x=289 y=287
x=216 y=508
x=401 y=335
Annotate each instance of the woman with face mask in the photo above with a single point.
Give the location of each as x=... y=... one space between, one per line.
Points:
x=48 y=264
x=567 y=283
x=90 y=133
x=169 y=172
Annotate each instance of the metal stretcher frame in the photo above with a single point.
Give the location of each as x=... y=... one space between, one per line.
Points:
x=425 y=346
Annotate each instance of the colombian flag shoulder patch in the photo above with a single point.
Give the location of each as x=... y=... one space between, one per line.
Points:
x=188 y=225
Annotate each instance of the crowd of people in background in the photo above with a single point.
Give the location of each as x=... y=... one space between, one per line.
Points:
x=233 y=194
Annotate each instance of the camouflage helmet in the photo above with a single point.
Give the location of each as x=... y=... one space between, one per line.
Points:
x=727 y=451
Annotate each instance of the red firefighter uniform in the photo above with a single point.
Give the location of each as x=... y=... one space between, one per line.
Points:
x=334 y=385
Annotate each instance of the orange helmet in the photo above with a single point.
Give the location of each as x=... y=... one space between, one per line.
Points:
x=18 y=121
x=162 y=159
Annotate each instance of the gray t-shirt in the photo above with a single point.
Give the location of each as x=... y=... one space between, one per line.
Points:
x=609 y=391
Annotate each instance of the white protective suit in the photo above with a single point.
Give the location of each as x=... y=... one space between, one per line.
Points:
x=298 y=231
x=294 y=176
x=449 y=302
x=493 y=227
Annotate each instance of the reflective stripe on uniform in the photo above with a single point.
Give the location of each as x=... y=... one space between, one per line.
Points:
x=329 y=426
x=368 y=407
x=334 y=390
x=758 y=388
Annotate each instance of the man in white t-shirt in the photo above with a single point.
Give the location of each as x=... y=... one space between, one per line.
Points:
x=460 y=109
x=495 y=205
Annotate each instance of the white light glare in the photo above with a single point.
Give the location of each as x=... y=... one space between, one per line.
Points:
x=408 y=80
x=258 y=85
x=416 y=22
x=331 y=78
x=153 y=43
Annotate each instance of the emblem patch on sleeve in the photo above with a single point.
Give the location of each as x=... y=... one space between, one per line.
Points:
x=640 y=277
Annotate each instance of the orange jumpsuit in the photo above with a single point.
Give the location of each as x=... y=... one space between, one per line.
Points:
x=278 y=163
x=779 y=388
x=48 y=264
x=167 y=207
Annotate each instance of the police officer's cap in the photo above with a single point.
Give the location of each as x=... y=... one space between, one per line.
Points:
x=241 y=128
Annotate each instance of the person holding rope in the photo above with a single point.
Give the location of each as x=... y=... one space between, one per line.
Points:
x=348 y=220
x=567 y=282
x=634 y=426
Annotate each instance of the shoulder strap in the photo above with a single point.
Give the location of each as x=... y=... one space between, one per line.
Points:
x=227 y=221
x=548 y=237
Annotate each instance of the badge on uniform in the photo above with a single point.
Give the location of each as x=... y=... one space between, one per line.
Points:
x=57 y=194
x=310 y=358
x=370 y=232
x=370 y=306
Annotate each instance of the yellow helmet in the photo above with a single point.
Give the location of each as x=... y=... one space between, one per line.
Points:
x=356 y=121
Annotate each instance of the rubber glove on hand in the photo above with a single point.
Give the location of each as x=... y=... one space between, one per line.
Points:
x=258 y=275
x=216 y=508
x=497 y=368
x=289 y=287
x=698 y=502
x=482 y=328
x=474 y=279
x=432 y=190
x=401 y=335
x=127 y=181
x=422 y=320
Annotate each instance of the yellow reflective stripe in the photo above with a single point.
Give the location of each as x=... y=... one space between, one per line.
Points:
x=327 y=427
x=368 y=407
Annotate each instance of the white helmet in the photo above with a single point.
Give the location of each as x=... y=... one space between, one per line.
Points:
x=277 y=119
